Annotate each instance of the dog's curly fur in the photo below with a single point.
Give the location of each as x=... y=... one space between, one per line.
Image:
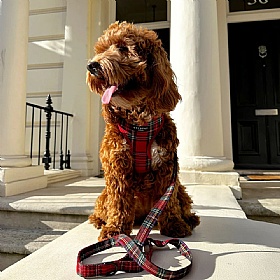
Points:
x=134 y=60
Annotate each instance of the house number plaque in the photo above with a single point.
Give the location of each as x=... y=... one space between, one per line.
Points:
x=251 y=5
x=263 y=2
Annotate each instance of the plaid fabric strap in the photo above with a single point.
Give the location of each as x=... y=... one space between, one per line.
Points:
x=140 y=139
x=135 y=261
x=139 y=250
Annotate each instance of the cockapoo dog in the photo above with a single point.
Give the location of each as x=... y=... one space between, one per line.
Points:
x=133 y=76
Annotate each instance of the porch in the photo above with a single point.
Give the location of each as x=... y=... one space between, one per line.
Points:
x=225 y=246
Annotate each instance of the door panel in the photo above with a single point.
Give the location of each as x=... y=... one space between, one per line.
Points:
x=254 y=50
x=248 y=139
x=274 y=139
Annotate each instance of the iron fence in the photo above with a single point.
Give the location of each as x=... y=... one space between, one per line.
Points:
x=59 y=126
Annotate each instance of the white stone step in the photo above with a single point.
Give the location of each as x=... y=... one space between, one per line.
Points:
x=244 y=184
x=15 y=244
x=260 y=199
x=56 y=175
x=61 y=205
x=30 y=220
x=52 y=208
x=261 y=207
x=24 y=219
x=225 y=246
x=24 y=242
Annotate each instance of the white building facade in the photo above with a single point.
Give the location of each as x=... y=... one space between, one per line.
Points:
x=227 y=119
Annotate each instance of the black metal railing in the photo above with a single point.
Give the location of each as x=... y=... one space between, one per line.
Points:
x=56 y=127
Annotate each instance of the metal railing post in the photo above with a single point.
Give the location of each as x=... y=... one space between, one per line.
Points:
x=47 y=159
x=47 y=156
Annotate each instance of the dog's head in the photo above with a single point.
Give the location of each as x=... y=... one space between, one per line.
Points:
x=131 y=72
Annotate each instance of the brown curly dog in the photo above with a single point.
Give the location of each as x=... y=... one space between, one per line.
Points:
x=132 y=74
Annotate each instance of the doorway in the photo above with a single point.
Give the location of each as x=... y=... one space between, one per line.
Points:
x=254 y=58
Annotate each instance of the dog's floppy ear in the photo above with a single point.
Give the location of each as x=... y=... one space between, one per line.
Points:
x=164 y=88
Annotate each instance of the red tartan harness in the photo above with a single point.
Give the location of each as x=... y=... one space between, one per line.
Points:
x=139 y=250
x=140 y=139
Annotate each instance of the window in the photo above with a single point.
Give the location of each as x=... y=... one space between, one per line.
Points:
x=141 y=11
x=153 y=14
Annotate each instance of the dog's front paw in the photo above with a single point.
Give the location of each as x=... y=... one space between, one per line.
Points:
x=175 y=228
x=192 y=220
x=108 y=232
x=96 y=221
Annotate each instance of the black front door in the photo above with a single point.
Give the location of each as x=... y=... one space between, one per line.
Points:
x=254 y=54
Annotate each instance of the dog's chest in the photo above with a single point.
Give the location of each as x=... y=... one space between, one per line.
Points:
x=143 y=146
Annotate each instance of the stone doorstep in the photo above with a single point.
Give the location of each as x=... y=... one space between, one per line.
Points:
x=244 y=184
x=264 y=208
x=22 y=233
x=15 y=181
x=261 y=193
x=50 y=208
x=31 y=220
x=251 y=184
x=9 y=259
x=211 y=178
x=55 y=176
x=8 y=175
x=25 y=242
x=22 y=186
x=244 y=172
x=225 y=246
x=270 y=219
x=260 y=198
x=230 y=179
x=39 y=221
x=16 y=244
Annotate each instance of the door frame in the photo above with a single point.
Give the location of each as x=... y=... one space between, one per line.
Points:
x=225 y=17
x=263 y=84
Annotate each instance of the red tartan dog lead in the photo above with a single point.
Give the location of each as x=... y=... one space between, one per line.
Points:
x=138 y=258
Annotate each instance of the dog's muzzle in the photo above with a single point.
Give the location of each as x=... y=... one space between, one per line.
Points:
x=94 y=68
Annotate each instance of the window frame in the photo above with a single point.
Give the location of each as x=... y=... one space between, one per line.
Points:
x=149 y=25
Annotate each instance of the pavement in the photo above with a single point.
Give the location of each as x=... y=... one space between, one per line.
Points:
x=226 y=245
x=261 y=199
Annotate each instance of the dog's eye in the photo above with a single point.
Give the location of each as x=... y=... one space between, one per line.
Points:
x=123 y=49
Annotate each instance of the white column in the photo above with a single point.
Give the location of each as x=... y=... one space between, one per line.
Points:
x=13 y=46
x=16 y=173
x=85 y=22
x=195 y=61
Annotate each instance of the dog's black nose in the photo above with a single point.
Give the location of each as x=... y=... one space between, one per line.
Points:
x=94 y=67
